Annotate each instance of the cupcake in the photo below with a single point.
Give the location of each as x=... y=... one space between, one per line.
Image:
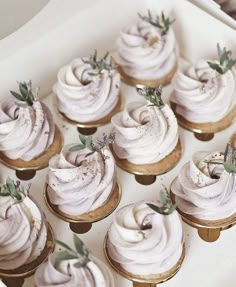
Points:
x=147 y=142
x=141 y=230
x=88 y=91
x=204 y=97
x=28 y=136
x=205 y=192
x=73 y=268
x=147 y=51
x=25 y=236
x=82 y=181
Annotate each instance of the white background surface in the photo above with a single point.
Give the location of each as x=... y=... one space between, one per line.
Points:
x=76 y=28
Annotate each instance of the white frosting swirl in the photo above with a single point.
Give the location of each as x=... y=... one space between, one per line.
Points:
x=202 y=94
x=144 y=134
x=23 y=232
x=145 y=242
x=79 y=184
x=25 y=133
x=65 y=274
x=204 y=190
x=143 y=53
x=85 y=98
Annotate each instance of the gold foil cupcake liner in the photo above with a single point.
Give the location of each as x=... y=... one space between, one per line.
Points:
x=143 y=280
x=83 y=223
x=208 y=230
x=26 y=169
x=205 y=131
x=150 y=83
x=146 y=173
x=90 y=128
x=15 y=277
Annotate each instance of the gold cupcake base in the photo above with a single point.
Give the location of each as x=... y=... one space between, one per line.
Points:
x=205 y=131
x=90 y=128
x=143 y=280
x=26 y=170
x=208 y=230
x=150 y=83
x=15 y=277
x=145 y=174
x=83 y=223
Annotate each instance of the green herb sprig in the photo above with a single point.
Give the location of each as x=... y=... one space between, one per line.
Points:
x=152 y=95
x=81 y=253
x=163 y=22
x=87 y=142
x=225 y=61
x=99 y=65
x=166 y=207
x=229 y=161
x=14 y=189
x=27 y=95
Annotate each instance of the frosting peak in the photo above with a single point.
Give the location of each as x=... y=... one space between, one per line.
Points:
x=199 y=87
x=144 y=134
x=84 y=97
x=25 y=132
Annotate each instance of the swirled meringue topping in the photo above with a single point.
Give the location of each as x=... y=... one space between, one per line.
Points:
x=83 y=97
x=143 y=53
x=80 y=183
x=144 y=134
x=145 y=242
x=23 y=232
x=25 y=132
x=203 y=95
x=205 y=190
x=65 y=274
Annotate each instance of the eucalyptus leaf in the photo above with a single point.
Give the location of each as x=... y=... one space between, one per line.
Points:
x=152 y=95
x=99 y=65
x=77 y=147
x=78 y=244
x=155 y=208
x=82 y=139
x=64 y=245
x=88 y=142
x=163 y=197
x=26 y=95
x=172 y=208
x=15 y=190
x=225 y=61
x=65 y=255
x=23 y=90
x=166 y=207
x=17 y=96
x=163 y=22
